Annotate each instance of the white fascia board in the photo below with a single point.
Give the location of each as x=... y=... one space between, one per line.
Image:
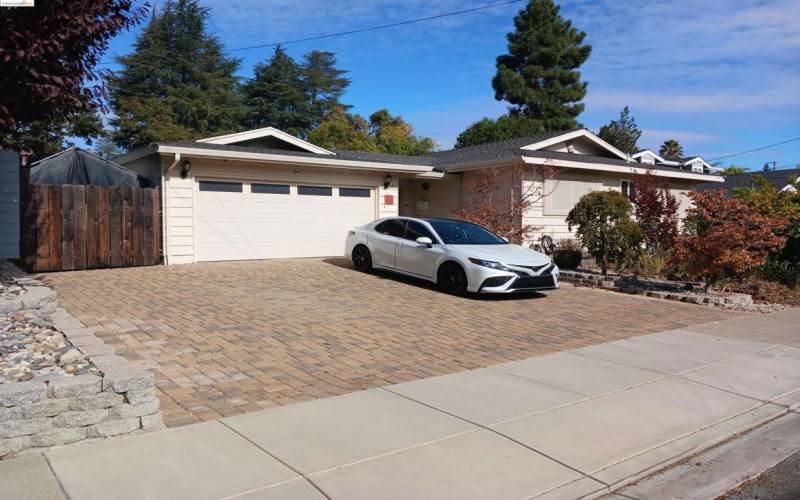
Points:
x=266 y=132
x=649 y=152
x=574 y=135
x=293 y=160
x=433 y=174
x=789 y=188
x=622 y=169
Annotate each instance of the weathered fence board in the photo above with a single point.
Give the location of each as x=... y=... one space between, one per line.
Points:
x=89 y=227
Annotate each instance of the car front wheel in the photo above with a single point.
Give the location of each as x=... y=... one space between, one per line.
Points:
x=452 y=279
x=362 y=259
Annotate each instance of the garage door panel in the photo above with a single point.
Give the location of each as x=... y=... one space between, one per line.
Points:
x=250 y=225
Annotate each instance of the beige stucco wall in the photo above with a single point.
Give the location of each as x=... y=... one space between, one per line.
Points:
x=442 y=196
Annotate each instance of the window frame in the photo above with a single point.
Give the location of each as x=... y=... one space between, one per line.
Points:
x=354 y=189
x=431 y=234
x=208 y=183
x=300 y=187
x=288 y=188
x=387 y=221
x=630 y=191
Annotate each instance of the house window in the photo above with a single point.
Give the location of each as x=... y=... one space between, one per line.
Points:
x=354 y=192
x=627 y=189
x=269 y=188
x=221 y=187
x=315 y=190
x=697 y=167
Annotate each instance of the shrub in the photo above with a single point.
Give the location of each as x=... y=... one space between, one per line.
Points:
x=724 y=237
x=569 y=245
x=656 y=211
x=604 y=225
x=652 y=263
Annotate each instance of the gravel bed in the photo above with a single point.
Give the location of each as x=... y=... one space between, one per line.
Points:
x=31 y=348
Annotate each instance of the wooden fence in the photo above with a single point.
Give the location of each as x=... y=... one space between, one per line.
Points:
x=88 y=227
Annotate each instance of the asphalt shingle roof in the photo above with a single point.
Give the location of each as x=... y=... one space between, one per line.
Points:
x=448 y=160
x=780 y=178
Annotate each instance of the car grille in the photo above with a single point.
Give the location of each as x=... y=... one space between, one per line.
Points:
x=535 y=269
x=534 y=282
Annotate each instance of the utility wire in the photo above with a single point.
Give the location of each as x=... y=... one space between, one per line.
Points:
x=362 y=30
x=373 y=28
x=756 y=149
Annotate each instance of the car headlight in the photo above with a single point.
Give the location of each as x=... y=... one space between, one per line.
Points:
x=489 y=263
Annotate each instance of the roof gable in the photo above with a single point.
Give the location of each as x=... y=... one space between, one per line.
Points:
x=267 y=136
x=574 y=142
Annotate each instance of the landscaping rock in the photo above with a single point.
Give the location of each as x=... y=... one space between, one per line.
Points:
x=128 y=411
x=102 y=400
x=80 y=418
x=152 y=422
x=113 y=428
x=21 y=393
x=83 y=385
x=24 y=427
x=127 y=380
x=45 y=408
x=141 y=396
x=58 y=436
x=13 y=445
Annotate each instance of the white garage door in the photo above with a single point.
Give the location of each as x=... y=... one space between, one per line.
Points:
x=259 y=220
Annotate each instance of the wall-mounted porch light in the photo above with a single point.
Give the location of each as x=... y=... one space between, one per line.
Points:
x=186 y=167
x=387 y=181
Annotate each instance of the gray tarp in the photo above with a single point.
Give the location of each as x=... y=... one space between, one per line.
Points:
x=78 y=167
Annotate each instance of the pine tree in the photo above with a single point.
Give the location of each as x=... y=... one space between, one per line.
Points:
x=276 y=96
x=104 y=147
x=177 y=84
x=539 y=76
x=622 y=133
x=324 y=85
x=671 y=150
x=294 y=97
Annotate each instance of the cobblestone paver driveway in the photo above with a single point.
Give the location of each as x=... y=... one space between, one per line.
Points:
x=227 y=338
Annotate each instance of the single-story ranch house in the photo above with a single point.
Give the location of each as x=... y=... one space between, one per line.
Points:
x=264 y=193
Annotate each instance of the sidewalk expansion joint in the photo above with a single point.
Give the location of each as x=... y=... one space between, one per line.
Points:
x=303 y=476
x=484 y=427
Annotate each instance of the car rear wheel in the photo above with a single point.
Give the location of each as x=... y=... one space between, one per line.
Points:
x=452 y=279
x=362 y=259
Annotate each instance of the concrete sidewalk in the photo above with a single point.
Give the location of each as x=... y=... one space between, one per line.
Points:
x=566 y=425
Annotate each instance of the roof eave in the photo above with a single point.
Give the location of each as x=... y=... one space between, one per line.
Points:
x=293 y=160
x=633 y=168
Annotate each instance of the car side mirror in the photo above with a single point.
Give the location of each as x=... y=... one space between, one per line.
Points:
x=505 y=239
x=424 y=240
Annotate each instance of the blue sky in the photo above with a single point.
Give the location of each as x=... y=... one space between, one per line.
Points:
x=721 y=76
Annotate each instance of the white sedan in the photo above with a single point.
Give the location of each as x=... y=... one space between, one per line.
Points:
x=458 y=256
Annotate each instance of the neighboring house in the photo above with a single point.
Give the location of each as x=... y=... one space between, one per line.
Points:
x=9 y=205
x=266 y=194
x=74 y=166
x=784 y=180
x=693 y=163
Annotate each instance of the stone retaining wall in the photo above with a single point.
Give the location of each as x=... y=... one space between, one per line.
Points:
x=58 y=409
x=654 y=288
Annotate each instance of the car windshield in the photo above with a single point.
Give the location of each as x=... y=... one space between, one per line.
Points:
x=456 y=232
